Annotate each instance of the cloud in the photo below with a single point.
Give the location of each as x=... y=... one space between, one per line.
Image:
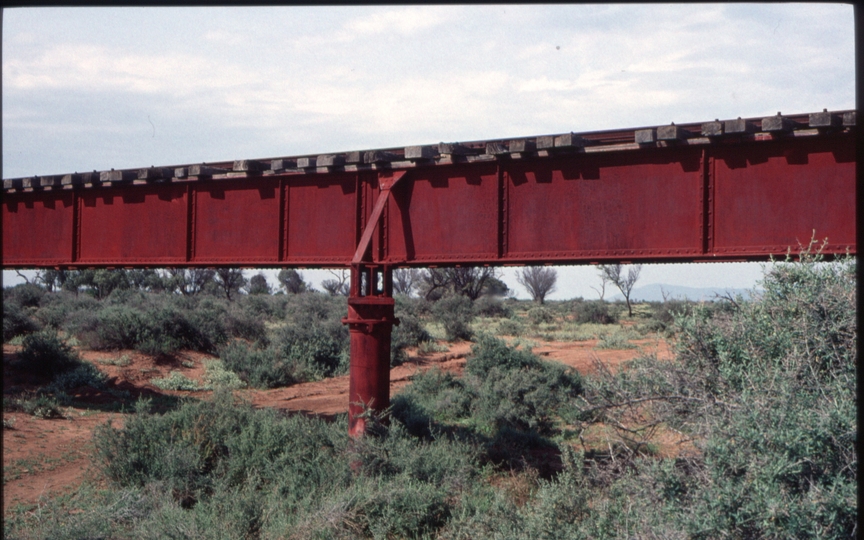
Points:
x=98 y=68
x=405 y=21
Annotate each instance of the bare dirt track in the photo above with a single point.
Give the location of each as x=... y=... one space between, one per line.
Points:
x=47 y=457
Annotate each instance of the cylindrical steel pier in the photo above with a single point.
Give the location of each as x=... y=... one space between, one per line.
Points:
x=370 y=321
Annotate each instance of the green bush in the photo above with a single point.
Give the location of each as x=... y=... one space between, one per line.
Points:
x=510 y=327
x=246 y=325
x=24 y=295
x=16 y=321
x=540 y=315
x=156 y=327
x=517 y=389
x=262 y=368
x=416 y=307
x=409 y=333
x=455 y=314
x=665 y=312
x=85 y=374
x=43 y=406
x=43 y=353
x=594 y=312
x=487 y=306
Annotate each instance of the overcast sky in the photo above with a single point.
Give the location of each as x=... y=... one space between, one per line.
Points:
x=99 y=88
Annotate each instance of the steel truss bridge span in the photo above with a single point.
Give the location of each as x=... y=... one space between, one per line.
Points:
x=737 y=190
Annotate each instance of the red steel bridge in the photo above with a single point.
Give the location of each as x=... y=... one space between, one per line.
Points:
x=734 y=190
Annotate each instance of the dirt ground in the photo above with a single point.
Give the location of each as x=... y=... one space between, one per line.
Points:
x=43 y=457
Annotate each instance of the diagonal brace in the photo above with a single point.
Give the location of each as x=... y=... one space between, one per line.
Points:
x=365 y=240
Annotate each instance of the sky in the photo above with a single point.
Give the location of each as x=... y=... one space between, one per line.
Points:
x=100 y=88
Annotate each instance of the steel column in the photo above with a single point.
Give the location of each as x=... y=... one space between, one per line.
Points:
x=370 y=321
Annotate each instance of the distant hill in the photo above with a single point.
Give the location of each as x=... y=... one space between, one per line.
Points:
x=654 y=293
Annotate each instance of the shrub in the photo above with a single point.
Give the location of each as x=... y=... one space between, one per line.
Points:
x=176 y=381
x=409 y=333
x=517 y=389
x=665 y=312
x=43 y=406
x=487 y=306
x=261 y=368
x=85 y=374
x=618 y=339
x=540 y=315
x=156 y=327
x=16 y=322
x=594 y=311
x=43 y=353
x=416 y=307
x=510 y=327
x=246 y=325
x=504 y=388
x=456 y=315
x=24 y=295
x=433 y=396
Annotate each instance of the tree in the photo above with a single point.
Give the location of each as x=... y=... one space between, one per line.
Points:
x=146 y=279
x=470 y=281
x=613 y=273
x=230 y=280
x=406 y=280
x=292 y=281
x=99 y=282
x=190 y=281
x=52 y=278
x=258 y=284
x=603 y=282
x=339 y=286
x=495 y=287
x=538 y=281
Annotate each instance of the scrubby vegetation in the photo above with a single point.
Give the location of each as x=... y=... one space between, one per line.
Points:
x=760 y=401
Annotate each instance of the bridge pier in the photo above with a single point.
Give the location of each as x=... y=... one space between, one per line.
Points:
x=370 y=321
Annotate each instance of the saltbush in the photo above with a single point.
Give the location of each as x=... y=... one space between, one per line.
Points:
x=16 y=321
x=262 y=368
x=594 y=312
x=455 y=313
x=45 y=354
x=24 y=295
x=488 y=306
x=541 y=315
x=409 y=333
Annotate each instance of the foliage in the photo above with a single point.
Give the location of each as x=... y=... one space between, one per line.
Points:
x=765 y=389
x=292 y=281
x=261 y=368
x=510 y=327
x=409 y=333
x=230 y=280
x=258 y=284
x=768 y=387
x=455 y=313
x=618 y=339
x=488 y=306
x=504 y=389
x=593 y=311
x=16 y=321
x=24 y=295
x=314 y=336
x=44 y=354
x=540 y=315
x=471 y=282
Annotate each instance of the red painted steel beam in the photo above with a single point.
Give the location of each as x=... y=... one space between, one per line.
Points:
x=676 y=195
